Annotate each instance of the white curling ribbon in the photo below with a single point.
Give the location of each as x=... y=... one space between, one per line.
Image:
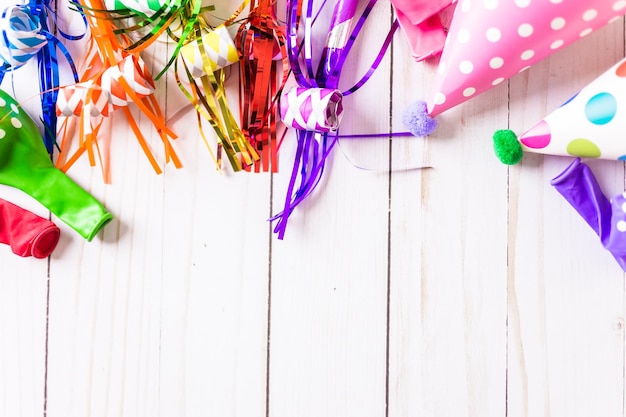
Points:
x=20 y=36
x=134 y=72
x=86 y=97
x=218 y=47
x=313 y=109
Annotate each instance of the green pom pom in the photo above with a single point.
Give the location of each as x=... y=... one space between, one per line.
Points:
x=507 y=147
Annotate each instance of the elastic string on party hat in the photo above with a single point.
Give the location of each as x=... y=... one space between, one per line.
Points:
x=24 y=35
x=261 y=45
x=314 y=108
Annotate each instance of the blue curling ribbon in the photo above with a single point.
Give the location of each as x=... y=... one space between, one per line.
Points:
x=25 y=34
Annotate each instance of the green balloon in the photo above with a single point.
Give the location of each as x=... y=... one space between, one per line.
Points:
x=26 y=165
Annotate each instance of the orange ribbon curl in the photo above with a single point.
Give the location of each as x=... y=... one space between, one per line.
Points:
x=109 y=71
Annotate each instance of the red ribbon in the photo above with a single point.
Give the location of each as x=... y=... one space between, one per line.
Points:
x=259 y=39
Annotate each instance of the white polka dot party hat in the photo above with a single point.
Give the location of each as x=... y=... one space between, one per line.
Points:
x=590 y=125
x=489 y=41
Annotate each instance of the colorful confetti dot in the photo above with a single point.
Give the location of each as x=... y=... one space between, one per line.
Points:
x=601 y=108
x=621 y=70
x=583 y=148
x=537 y=137
x=525 y=30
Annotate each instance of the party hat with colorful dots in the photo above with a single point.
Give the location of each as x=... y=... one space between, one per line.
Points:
x=590 y=125
x=491 y=40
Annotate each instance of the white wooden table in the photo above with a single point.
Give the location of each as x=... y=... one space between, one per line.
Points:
x=466 y=289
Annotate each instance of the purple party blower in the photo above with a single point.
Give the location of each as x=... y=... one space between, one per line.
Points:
x=579 y=187
x=338 y=34
x=314 y=108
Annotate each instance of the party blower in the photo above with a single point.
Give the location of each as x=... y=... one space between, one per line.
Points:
x=490 y=41
x=25 y=164
x=590 y=125
x=25 y=35
x=314 y=107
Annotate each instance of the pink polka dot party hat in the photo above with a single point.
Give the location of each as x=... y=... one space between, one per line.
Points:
x=589 y=125
x=489 y=41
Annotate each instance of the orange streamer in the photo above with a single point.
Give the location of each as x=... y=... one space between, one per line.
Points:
x=111 y=78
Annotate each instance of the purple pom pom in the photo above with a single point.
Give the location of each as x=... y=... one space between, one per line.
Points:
x=417 y=120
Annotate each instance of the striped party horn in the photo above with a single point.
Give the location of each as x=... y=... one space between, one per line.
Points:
x=146 y=8
x=74 y=99
x=133 y=70
x=312 y=109
x=20 y=36
x=219 y=50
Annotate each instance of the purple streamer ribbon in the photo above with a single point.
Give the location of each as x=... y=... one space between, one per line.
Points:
x=314 y=144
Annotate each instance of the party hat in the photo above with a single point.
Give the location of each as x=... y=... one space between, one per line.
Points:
x=590 y=124
x=422 y=27
x=489 y=41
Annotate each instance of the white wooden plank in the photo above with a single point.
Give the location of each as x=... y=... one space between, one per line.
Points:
x=215 y=257
x=329 y=275
x=448 y=257
x=105 y=294
x=565 y=292
x=144 y=338
x=23 y=288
